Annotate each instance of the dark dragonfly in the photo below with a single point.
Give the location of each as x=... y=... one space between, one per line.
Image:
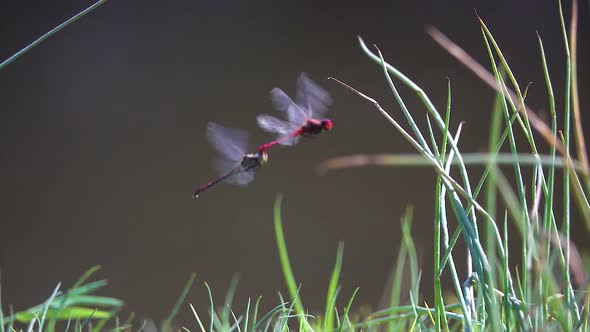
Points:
x=237 y=166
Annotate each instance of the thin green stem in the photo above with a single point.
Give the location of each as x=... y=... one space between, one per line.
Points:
x=51 y=32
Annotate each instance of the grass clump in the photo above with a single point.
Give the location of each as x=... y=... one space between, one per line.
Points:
x=548 y=289
x=77 y=307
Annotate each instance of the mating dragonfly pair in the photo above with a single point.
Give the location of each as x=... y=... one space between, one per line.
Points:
x=303 y=119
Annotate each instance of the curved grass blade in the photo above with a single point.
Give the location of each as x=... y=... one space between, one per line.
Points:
x=489 y=79
x=237 y=321
x=45 y=308
x=212 y=313
x=347 y=310
x=333 y=312
x=287 y=314
x=255 y=315
x=85 y=276
x=197 y=318
x=229 y=296
x=78 y=283
x=179 y=302
x=267 y=316
x=247 y=316
x=284 y=256
x=51 y=32
x=332 y=289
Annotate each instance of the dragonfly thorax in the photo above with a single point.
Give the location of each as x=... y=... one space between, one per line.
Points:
x=314 y=126
x=254 y=160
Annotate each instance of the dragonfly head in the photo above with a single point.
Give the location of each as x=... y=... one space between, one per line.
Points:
x=327 y=124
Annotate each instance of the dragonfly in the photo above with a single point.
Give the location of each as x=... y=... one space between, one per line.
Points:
x=237 y=166
x=304 y=115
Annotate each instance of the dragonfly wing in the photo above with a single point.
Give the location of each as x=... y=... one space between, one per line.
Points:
x=283 y=103
x=239 y=176
x=231 y=143
x=273 y=125
x=312 y=97
x=277 y=127
x=280 y=100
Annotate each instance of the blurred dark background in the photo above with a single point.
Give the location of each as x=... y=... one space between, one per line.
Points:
x=102 y=139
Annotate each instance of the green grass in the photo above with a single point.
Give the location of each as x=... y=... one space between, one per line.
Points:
x=76 y=306
x=547 y=290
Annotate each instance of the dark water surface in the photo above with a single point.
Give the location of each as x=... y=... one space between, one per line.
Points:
x=102 y=139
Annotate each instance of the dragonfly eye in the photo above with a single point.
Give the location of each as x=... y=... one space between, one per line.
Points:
x=327 y=124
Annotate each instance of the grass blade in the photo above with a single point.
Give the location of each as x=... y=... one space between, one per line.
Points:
x=332 y=289
x=347 y=310
x=284 y=256
x=267 y=316
x=179 y=302
x=51 y=32
x=197 y=317
x=229 y=296
x=211 y=308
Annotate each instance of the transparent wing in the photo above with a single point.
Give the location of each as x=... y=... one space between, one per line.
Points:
x=231 y=143
x=278 y=127
x=312 y=97
x=240 y=178
x=274 y=125
x=290 y=141
x=282 y=102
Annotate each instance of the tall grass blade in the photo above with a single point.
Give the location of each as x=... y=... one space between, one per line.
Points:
x=332 y=289
x=179 y=302
x=50 y=33
x=284 y=256
x=229 y=296
x=255 y=314
x=347 y=310
x=489 y=79
x=211 y=308
x=247 y=316
x=577 y=116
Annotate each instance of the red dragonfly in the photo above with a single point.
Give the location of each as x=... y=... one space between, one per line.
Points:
x=237 y=166
x=304 y=115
